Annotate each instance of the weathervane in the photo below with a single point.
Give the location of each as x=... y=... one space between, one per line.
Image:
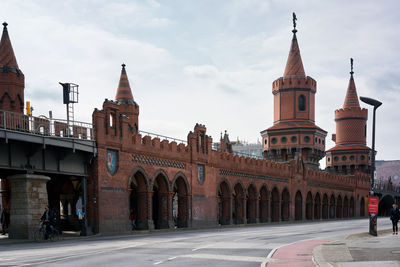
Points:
x=294 y=23
x=351 y=66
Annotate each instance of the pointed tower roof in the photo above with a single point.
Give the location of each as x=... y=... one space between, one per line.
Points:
x=7 y=57
x=294 y=64
x=124 y=93
x=351 y=99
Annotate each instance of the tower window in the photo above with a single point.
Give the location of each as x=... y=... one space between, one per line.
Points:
x=273 y=140
x=344 y=158
x=283 y=140
x=302 y=103
x=306 y=139
x=294 y=139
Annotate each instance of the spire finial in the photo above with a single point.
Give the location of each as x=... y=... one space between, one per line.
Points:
x=294 y=23
x=5 y=24
x=123 y=65
x=351 y=66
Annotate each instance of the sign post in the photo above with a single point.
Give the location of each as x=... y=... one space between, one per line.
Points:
x=373 y=203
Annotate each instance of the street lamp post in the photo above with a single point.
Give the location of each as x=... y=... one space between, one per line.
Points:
x=372 y=216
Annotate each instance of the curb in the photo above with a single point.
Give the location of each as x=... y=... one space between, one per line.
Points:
x=318 y=254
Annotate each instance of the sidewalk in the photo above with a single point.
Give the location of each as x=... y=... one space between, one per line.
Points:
x=360 y=250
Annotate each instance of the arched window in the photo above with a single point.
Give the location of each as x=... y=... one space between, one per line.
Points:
x=302 y=103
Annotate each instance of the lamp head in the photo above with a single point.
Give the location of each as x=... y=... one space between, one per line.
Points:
x=371 y=101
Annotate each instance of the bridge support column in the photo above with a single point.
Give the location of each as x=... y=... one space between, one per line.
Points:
x=28 y=200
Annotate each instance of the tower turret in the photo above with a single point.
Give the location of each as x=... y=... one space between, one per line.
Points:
x=12 y=80
x=124 y=98
x=351 y=152
x=294 y=128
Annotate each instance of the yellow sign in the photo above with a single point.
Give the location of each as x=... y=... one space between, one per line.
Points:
x=28 y=108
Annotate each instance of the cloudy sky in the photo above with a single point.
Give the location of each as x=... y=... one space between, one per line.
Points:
x=210 y=62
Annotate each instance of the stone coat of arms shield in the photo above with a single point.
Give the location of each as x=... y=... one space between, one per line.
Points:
x=112 y=161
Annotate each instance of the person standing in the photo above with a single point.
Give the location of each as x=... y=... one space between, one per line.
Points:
x=132 y=217
x=395 y=217
x=5 y=220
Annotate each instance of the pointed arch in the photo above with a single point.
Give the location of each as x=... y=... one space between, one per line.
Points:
x=339 y=207
x=180 y=201
x=317 y=206
x=332 y=206
x=238 y=201
x=345 y=207
x=285 y=210
x=224 y=195
x=251 y=204
x=362 y=207
x=298 y=206
x=160 y=200
x=263 y=203
x=275 y=203
x=325 y=207
x=138 y=187
x=309 y=206
x=351 y=207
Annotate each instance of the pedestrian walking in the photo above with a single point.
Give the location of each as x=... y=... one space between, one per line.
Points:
x=395 y=217
x=132 y=217
x=5 y=220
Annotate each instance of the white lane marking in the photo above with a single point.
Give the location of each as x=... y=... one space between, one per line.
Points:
x=172 y=258
x=206 y=246
x=158 y=262
x=223 y=257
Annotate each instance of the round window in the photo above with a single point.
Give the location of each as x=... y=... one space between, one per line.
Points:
x=344 y=158
x=336 y=158
x=273 y=140
x=306 y=139
x=351 y=157
x=293 y=139
x=283 y=140
x=362 y=157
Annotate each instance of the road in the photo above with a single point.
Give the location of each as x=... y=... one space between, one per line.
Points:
x=239 y=246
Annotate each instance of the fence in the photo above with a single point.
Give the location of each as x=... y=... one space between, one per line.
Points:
x=45 y=126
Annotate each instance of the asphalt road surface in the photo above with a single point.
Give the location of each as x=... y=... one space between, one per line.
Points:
x=238 y=246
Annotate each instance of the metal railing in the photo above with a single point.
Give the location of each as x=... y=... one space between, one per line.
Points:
x=239 y=153
x=163 y=137
x=386 y=186
x=45 y=126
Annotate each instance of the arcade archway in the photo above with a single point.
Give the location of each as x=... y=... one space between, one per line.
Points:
x=263 y=204
x=238 y=213
x=298 y=213
x=160 y=202
x=309 y=206
x=275 y=205
x=317 y=207
x=332 y=207
x=180 y=204
x=339 y=210
x=325 y=207
x=224 y=203
x=138 y=199
x=285 y=205
x=251 y=204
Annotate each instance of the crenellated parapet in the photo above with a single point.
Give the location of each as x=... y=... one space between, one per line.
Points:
x=283 y=83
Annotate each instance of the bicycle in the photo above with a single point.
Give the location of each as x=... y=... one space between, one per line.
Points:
x=41 y=234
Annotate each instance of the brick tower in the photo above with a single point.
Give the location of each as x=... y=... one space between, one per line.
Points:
x=350 y=152
x=294 y=130
x=124 y=97
x=12 y=80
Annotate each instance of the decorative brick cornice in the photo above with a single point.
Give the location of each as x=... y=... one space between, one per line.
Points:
x=249 y=175
x=331 y=187
x=158 y=162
